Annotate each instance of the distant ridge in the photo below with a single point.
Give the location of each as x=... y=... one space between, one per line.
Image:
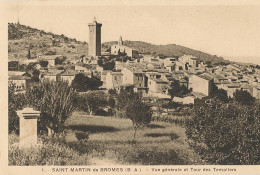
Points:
x=167 y=50
x=21 y=37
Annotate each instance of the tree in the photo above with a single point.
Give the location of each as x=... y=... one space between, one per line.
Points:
x=221 y=95
x=243 y=97
x=43 y=63
x=13 y=65
x=59 y=60
x=35 y=76
x=125 y=97
x=83 y=83
x=177 y=90
x=225 y=133
x=139 y=113
x=55 y=100
x=29 y=53
x=15 y=102
x=30 y=67
x=93 y=101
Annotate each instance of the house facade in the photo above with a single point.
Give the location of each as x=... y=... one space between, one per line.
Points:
x=201 y=83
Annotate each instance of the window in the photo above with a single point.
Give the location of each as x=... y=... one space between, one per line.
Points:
x=115 y=77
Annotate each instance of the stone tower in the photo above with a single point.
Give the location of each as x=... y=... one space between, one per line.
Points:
x=120 y=42
x=94 y=45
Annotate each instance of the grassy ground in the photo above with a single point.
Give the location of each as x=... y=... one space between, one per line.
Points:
x=110 y=142
x=110 y=137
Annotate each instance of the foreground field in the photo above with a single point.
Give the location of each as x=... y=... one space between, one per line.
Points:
x=110 y=142
x=156 y=143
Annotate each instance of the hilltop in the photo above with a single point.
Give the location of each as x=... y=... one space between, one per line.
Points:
x=22 y=38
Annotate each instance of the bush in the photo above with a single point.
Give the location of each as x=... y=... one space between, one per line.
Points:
x=15 y=102
x=101 y=112
x=243 y=97
x=43 y=63
x=48 y=154
x=221 y=95
x=82 y=136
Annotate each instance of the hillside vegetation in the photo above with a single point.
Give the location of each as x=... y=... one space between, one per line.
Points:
x=167 y=50
x=23 y=38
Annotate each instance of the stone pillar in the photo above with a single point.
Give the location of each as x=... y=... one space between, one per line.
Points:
x=28 y=127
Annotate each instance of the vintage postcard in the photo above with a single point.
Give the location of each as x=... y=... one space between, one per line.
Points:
x=129 y=87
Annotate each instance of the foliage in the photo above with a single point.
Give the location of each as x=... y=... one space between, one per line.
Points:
x=30 y=67
x=83 y=83
x=139 y=113
x=14 y=32
x=29 y=54
x=55 y=100
x=60 y=60
x=12 y=65
x=220 y=94
x=176 y=90
x=126 y=97
x=243 y=97
x=123 y=58
x=43 y=63
x=171 y=105
x=82 y=136
x=50 y=153
x=95 y=100
x=35 y=76
x=106 y=63
x=226 y=133
x=15 y=102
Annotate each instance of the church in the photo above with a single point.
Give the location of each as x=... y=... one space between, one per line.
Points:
x=120 y=49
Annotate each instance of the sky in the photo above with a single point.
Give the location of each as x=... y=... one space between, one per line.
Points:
x=223 y=30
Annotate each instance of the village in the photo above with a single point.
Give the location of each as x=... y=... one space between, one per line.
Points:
x=147 y=74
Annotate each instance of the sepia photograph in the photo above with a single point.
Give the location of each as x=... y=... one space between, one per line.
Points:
x=124 y=84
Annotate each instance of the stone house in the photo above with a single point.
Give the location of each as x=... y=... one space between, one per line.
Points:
x=134 y=76
x=158 y=86
x=202 y=83
x=68 y=76
x=114 y=80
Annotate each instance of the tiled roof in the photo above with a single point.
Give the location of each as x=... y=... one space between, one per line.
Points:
x=18 y=77
x=14 y=73
x=205 y=76
x=69 y=72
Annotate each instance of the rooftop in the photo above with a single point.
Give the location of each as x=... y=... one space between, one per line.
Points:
x=18 y=77
x=205 y=76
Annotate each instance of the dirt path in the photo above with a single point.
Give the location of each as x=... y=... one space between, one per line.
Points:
x=102 y=161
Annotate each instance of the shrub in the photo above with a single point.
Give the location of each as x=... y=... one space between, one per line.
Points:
x=82 y=136
x=48 y=154
x=221 y=95
x=55 y=100
x=243 y=97
x=15 y=102
x=43 y=63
